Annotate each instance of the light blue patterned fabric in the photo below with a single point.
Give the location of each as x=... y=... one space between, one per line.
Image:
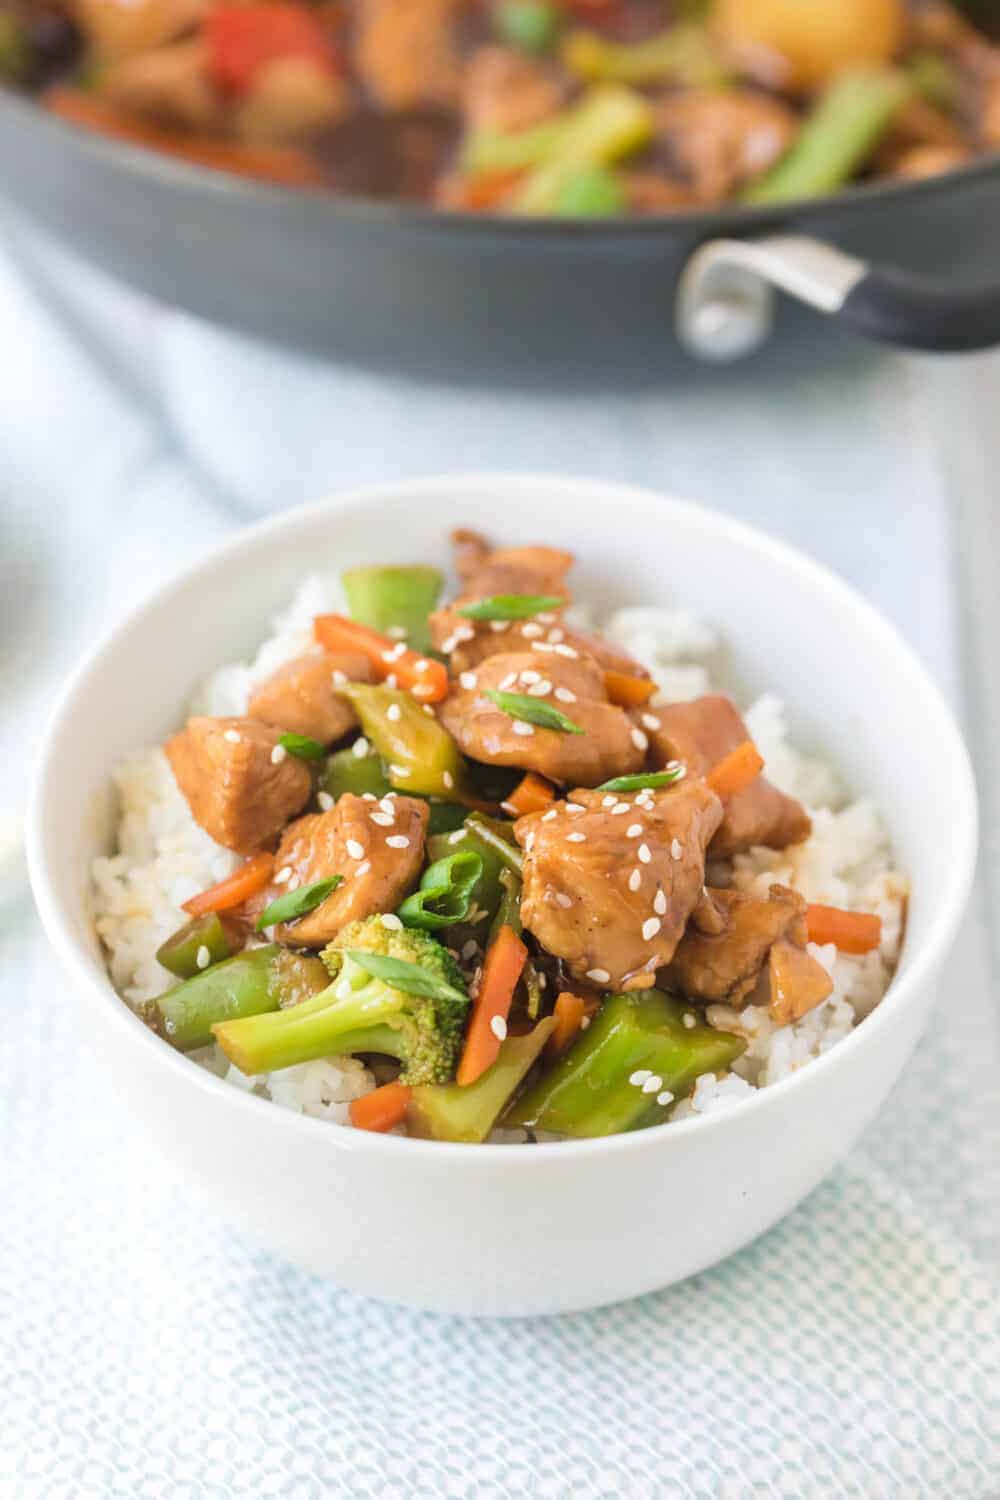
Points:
x=149 y=1353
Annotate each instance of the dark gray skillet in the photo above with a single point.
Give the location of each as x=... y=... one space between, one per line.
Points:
x=388 y=284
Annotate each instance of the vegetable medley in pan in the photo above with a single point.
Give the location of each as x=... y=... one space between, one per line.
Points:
x=588 y=108
x=479 y=850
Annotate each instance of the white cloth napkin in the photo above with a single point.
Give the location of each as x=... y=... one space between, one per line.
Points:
x=147 y=1351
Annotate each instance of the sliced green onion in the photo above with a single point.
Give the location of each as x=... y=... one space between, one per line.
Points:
x=528 y=24
x=639 y=782
x=302 y=747
x=298 y=903
x=410 y=978
x=510 y=606
x=532 y=711
x=445 y=892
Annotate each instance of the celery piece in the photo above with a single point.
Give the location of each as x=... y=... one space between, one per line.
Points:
x=457 y=1112
x=609 y=123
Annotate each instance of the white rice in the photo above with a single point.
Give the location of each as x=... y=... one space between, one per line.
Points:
x=164 y=857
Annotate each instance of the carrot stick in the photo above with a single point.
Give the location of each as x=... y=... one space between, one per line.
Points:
x=281 y=164
x=425 y=678
x=626 y=691
x=381 y=1109
x=569 y=1011
x=235 y=889
x=483 y=191
x=501 y=971
x=850 y=931
x=532 y=794
x=736 y=771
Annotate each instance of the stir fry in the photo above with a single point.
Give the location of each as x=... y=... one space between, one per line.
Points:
x=586 y=108
x=480 y=854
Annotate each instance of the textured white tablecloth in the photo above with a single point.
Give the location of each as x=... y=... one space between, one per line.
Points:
x=148 y=1351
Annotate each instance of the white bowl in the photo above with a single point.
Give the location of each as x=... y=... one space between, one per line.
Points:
x=509 y=1230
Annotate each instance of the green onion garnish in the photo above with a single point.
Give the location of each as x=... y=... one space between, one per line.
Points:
x=510 y=606
x=292 y=904
x=445 y=892
x=410 y=978
x=637 y=783
x=532 y=711
x=301 y=746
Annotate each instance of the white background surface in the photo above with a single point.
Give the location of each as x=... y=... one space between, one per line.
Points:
x=144 y=1349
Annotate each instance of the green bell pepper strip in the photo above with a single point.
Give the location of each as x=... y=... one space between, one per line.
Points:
x=493 y=832
x=346 y=772
x=15 y=51
x=444 y=895
x=237 y=987
x=513 y=151
x=642 y=1037
x=445 y=817
x=591 y=193
x=391 y=599
x=609 y=123
x=845 y=126
x=508 y=913
x=208 y=933
x=420 y=755
x=683 y=55
x=453 y=1112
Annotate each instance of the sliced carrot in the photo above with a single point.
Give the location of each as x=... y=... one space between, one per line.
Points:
x=381 y=1109
x=505 y=959
x=532 y=794
x=424 y=677
x=626 y=691
x=281 y=164
x=482 y=191
x=736 y=771
x=235 y=889
x=571 y=1013
x=850 y=931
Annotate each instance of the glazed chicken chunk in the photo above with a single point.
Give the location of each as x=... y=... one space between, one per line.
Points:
x=737 y=946
x=607 y=745
x=610 y=881
x=701 y=734
x=376 y=847
x=239 y=783
x=302 y=695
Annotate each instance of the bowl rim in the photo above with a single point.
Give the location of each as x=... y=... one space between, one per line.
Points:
x=826 y=585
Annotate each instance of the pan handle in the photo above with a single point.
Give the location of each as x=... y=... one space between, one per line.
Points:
x=726 y=294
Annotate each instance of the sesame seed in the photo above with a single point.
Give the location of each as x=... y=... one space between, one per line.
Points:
x=283 y=875
x=383 y=819
x=396 y=632
x=599 y=976
x=540 y=689
x=400 y=771
x=388 y=802
x=660 y=904
x=368 y=797
x=650 y=928
x=394 y=713
x=448 y=779
x=468 y=680
x=398 y=841
x=325 y=801
x=448 y=644
x=390 y=920
x=652 y=1084
x=547 y=817
x=355 y=850
x=392 y=681
x=640 y=740
x=619 y=808
x=427 y=710
x=676 y=849
x=531 y=630
x=232 y=736
x=608 y=801
x=546 y=619
x=556 y=635
x=339 y=677
x=638 y=1078
x=644 y=854
x=563 y=900
x=421 y=664
x=575 y=807
x=498 y=1026
x=507 y=682
x=364 y=867
x=295 y=882
x=360 y=747
x=278 y=754
x=576 y=838
x=465 y=633
x=651 y=721
x=679 y=769
x=470 y=949
x=584 y=1023
x=529 y=675
x=394 y=652
x=203 y=958
x=689 y=1020
x=665 y=1098
x=566 y=651
x=633 y=831
x=542 y=646
x=529 y=843
x=635 y=880
x=565 y=695
x=457 y=836
x=499 y=626
x=522 y=727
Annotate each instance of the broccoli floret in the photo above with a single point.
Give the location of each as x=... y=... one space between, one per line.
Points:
x=362 y=1012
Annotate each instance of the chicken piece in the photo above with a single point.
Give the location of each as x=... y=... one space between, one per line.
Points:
x=301 y=697
x=700 y=734
x=114 y=29
x=656 y=193
x=508 y=91
x=724 y=963
x=406 y=52
x=290 y=99
x=610 y=882
x=560 y=679
x=169 y=85
x=919 y=162
x=239 y=790
x=378 y=849
x=722 y=139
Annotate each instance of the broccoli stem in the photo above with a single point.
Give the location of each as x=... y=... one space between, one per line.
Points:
x=240 y=986
x=837 y=138
x=389 y=599
x=589 y=1090
x=420 y=754
x=610 y=122
x=451 y=1112
x=322 y=1026
x=683 y=55
x=210 y=934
